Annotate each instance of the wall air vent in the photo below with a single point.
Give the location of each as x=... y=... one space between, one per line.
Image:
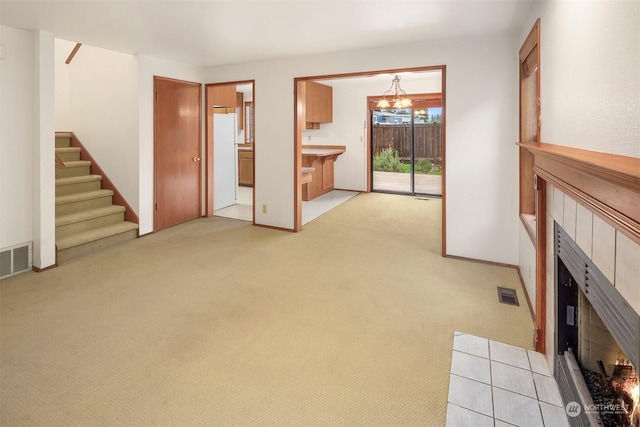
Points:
x=15 y=259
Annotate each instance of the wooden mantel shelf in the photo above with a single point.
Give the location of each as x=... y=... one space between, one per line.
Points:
x=607 y=184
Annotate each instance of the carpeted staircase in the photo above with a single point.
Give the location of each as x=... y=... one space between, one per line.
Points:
x=86 y=218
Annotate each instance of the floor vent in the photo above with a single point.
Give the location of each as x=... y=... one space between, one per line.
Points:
x=507 y=296
x=15 y=259
x=423 y=198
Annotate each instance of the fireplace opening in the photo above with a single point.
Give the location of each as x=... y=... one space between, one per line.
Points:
x=594 y=328
x=609 y=376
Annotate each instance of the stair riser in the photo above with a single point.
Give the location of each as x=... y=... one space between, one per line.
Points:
x=83 y=205
x=93 y=233
x=63 y=190
x=76 y=251
x=68 y=172
x=69 y=157
x=89 y=224
x=63 y=141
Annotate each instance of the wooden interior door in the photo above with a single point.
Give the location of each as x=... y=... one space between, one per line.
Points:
x=177 y=152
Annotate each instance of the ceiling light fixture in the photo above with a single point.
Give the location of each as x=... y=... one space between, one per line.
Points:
x=397 y=94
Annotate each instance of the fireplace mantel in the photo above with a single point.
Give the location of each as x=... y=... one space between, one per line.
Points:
x=607 y=184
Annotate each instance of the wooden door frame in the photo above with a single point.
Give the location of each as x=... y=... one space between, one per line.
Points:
x=532 y=192
x=210 y=144
x=155 y=142
x=299 y=124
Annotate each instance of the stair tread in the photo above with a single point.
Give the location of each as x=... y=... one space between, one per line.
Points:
x=77 y=163
x=95 y=234
x=78 y=179
x=63 y=134
x=68 y=149
x=88 y=214
x=86 y=195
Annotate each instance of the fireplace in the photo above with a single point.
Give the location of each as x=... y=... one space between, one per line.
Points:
x=598 y=342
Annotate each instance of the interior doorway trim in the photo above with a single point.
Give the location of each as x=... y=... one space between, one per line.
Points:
x=299 y=125
x=209 y=193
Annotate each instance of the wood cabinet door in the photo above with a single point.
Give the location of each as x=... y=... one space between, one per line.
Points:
x=245 y=168
x=224 y=95
x=319 y=99
x=176 y=152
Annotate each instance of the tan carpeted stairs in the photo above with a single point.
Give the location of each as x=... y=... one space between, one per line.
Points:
x=86 y=218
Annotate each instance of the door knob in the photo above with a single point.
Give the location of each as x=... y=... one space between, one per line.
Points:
x=196 y=159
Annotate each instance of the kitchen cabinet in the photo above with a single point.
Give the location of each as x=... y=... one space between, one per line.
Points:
x=318 y=164
x=319 y=104
x=224 y=95
x=245 y=168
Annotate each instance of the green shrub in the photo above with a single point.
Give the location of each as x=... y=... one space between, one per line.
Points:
x=387 y=160
x=436 y=170
x=424 y=165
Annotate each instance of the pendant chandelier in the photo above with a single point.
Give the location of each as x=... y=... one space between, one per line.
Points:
x=397 y=96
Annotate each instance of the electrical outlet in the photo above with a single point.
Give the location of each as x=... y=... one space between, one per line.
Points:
x=309 y=138
x=264 y=209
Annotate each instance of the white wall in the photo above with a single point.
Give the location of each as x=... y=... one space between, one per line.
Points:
x=16 y=134
x=589 y=72
x=97 y=99
x=590 y=92
x=43 y=160
x=62 y=115
x=148 y=68
x=527 y=264
x=27 y=211
x=350 y=114
x=482 y=106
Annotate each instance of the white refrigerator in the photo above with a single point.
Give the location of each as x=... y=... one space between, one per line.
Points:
x=225 y=160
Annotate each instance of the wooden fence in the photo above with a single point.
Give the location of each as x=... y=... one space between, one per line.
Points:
x=428 y=140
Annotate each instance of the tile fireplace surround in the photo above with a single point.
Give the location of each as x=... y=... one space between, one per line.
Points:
x=595 y=198
x=616 y=255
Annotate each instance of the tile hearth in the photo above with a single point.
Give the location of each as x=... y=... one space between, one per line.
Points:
x=496 y=384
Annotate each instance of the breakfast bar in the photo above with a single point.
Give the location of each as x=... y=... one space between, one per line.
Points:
x=320 y=159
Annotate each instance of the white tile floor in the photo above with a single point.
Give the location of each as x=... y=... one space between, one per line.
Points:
x=243 y=209
x=316 y=207
x=496 y=384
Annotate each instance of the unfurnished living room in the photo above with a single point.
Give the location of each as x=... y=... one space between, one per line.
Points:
x=499 y=295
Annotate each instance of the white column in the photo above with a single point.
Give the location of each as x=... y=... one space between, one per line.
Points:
x=44 y=237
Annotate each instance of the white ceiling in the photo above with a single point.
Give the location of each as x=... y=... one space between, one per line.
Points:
x=220 y=32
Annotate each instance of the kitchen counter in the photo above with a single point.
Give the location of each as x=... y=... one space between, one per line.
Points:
x=321 y=159
x=322 y=152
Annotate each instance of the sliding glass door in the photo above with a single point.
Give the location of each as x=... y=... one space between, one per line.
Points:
x=406 y=148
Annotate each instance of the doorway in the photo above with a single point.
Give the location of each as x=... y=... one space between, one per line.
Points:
x=406 y=147
x=428 y=79
x=177 y=168
x=230 y=150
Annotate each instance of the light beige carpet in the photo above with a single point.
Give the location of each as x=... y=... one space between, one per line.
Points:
x=216 y=322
